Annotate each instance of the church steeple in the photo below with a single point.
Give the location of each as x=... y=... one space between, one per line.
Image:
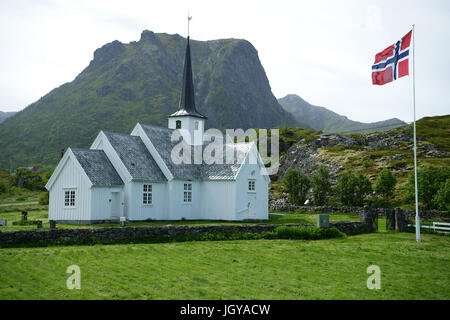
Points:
x=187 y=119
x=187 y=98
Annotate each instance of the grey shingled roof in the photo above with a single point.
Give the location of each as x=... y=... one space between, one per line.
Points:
x=97 y=166
x=161 y=139
x=135 y=156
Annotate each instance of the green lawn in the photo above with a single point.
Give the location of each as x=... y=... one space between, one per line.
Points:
x=298 y=217
x=258 y=269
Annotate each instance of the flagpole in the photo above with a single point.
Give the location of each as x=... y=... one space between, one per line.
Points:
x=415 y=143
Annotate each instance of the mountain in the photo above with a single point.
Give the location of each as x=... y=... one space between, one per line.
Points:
x=6 y=115
x=320 y=118
x=141 y=82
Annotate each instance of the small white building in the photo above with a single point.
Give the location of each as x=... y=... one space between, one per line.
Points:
x=135 y=176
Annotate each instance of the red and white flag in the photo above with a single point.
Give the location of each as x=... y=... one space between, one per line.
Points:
x=393 y=62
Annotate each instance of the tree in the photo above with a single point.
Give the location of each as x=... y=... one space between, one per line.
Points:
x=24 y=178
x=353 y=189
x=297 y=185
x=429 y=181
x=363 y=188
x=441 y=200
x=303 y=188
x=321 y=186
x=345 y=188
x=385 y=184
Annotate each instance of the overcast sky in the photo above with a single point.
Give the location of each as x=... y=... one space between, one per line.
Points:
x=319 y=50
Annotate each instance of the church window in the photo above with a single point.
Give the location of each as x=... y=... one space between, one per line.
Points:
x=178 y=124
x=187 y=193
x=196 y=125
x=251 y=185
x=147 y=194
x=69 y=198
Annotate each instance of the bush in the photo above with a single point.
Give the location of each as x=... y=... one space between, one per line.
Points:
x=297 y=185
x=429 y=181
x=24 y=223
x=442 y=198
x=44 y=199
x=307 y=233
x=385 y=184
x=4 y=187
x=24 y=178
x=321 y=186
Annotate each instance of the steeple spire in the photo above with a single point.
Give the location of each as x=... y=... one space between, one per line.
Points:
x=187 y=98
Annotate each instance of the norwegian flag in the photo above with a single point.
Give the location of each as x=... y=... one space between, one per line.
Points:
x=392 y=62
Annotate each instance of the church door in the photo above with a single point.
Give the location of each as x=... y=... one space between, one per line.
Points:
x=116 y=205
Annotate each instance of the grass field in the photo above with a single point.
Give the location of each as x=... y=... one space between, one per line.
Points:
x=258 y=269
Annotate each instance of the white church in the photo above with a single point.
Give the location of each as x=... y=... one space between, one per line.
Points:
x=135 y=176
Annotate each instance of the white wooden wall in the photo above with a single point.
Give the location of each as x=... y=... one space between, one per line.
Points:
x=259 y=199
x=177 y=209
x=218 y=200
x=156 y=211
x=101 y=207
x=70 y=176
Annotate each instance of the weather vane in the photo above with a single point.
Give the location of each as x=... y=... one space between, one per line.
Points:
x=189 y=19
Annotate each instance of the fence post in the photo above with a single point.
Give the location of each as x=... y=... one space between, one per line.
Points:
x=400 y=220
x=390 y=219
x=370 y=217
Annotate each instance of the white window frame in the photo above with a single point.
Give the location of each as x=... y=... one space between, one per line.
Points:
x=70 y=198
x=251 y=186
x=187 y=193
x=147 y=194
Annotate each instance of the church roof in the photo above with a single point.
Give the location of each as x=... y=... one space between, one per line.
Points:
x=97 y=167
x=161 y=140
x=187 y=98
x=135 y=156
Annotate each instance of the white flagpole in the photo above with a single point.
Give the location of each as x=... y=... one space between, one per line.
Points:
x=415 y=144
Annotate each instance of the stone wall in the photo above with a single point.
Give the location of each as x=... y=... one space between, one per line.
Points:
x=281 y=205
x=47 y=236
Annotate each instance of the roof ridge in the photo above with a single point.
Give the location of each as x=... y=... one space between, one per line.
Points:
x=119 y=134
x=156 y=127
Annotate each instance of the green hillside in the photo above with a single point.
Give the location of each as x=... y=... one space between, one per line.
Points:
x=368 y=153
x=141 y=82
x=5 y=115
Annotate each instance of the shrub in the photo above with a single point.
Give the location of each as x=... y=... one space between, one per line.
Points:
x=24 y=223
x=429 y=182
x=385 y=184
x=24 y=178
x=297 y=185
x=307 y=233
x=442 y=198
x=44 y=199
x=321 y=186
